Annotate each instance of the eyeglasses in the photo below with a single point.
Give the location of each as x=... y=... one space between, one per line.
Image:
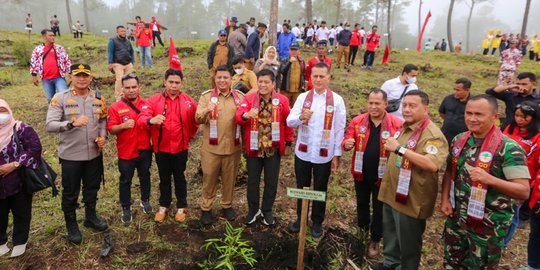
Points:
x=222 y=35
x=129 y=76
x=525 y=108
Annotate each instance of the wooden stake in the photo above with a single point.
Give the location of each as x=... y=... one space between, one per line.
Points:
x=302 y=235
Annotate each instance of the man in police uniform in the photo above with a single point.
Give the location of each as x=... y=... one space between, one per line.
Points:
x=485 y=172
x=409 y=185
x=220 y=150
x=79 y=115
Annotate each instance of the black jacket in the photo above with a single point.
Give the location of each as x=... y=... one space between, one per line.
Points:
x=212 y=53
x=285 y=72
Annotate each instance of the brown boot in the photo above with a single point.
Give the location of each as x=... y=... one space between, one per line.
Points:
x=373 y=249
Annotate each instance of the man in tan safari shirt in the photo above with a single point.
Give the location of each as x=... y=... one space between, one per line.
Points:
x=220 y=150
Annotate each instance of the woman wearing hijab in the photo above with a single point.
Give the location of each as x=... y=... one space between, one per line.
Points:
x=269 y=61
x=13 y=197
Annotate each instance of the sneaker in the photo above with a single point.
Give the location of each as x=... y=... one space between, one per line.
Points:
x=316 y=230
x=18 y=250
x=126 y=215
x=207 y=218
x=146 y=207
x=181 y=215
x=252 y=217
x=161 y=214
x=370 y=67
x=379 y=266
x=363 y=66
x=229 y=213
x=268 y=219
x=294 y=227
x=373 y=249
x=4 y=249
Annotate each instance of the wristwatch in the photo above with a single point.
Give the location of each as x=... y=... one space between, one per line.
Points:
x=148 y=121
x=400 y=151
x=69 y=124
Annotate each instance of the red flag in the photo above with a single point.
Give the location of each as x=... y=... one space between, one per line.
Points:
x=227 y=21
x=174 y=60
x=419 y=44
x=386 y=55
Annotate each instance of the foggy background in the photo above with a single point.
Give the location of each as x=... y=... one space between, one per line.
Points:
x=192 y=19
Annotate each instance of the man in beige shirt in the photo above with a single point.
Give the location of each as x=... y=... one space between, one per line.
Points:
x=220 y=150
x=409 y=186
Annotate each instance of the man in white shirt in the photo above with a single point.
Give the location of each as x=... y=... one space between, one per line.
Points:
x=332 y=36
x=320 y=117
x=397 y=87
x=296 y=31
x=339 y=28
x=322 y=33
x=251 y=26
x=363 y=32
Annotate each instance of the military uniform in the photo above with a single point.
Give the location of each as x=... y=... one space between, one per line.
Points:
x=404 y=224
x=223 y=158
x=464 y=247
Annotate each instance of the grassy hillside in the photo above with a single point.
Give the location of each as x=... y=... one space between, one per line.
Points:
x=144 y=244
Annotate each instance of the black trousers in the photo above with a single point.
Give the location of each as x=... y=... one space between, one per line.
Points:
x=20 y=206
x=486 y=51
x=305 y=171
x=172 y=165
x=255 y=166
x=127 y=170
x=366 y=189
x=352 y=55
x=157 y=34
x=90 y=172
x=369 y=57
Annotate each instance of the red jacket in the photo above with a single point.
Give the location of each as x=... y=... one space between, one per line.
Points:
x=286 y=133
x=372 y=41
x=156 y=23
x=352 y=131
x=356 y=38
x=535 y=196
x=179 y=126
x=531 y=148
x=144 y=37
x=311 y=63
x=129 y=141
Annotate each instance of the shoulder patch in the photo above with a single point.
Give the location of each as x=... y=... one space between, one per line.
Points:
x=206 y=92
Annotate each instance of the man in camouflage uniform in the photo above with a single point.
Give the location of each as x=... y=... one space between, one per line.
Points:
x=474 y=239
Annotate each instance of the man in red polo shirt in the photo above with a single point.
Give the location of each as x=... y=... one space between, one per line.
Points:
x=321 y=57
x=133 y=144
x=144 y=39
x=170 y=116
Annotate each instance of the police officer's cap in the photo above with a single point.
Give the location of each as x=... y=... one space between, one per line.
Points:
x=80 y=68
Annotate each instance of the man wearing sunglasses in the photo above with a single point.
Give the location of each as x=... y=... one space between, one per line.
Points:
x=133 y=144
x=513 y=94
x=220 y=53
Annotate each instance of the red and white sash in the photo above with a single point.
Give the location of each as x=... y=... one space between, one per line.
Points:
x=327 y=128
x=214 y=118
x=360 y=147
x=276 y=116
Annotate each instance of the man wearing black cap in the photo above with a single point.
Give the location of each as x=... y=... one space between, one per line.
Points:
x=238 y=40
x=292 y=70
x=320 y=58
x=253 y=46
x=231 y=27
x=220 y=53
x=79 y=115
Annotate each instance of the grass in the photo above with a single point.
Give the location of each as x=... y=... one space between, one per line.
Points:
x=47 y=244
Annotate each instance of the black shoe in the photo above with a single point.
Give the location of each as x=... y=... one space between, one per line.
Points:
x=268 y=219
x=207 y=218
x=316 y=230
x=92 y=221
x=147 y=207
x=126 y=215
x=380 y=266
x=73 y=233
x=229 y=213
x=252 y=217
x=294 y=227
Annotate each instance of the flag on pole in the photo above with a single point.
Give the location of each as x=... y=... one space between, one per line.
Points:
x=174 y=60
x=386 y=55
x=419 y=44
x=227 y=21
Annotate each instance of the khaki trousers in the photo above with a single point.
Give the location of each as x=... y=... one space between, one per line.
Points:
x=119 y=72
x=343 y=51
x=216 y=166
